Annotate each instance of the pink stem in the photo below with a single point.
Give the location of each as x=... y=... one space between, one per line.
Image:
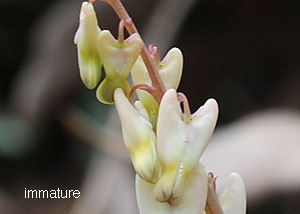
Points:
x=212 y=203
x=151 y=90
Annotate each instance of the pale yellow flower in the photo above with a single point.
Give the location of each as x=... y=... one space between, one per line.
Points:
x=86 y=39
x=138 y=136
x=118 y=58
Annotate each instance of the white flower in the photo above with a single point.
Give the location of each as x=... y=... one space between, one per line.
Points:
x=180 y=143
x=194 y=196
x=233 y=198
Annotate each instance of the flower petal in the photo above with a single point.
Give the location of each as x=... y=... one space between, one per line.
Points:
x=180 y=144
x=105 y=91
x=170 y=70
x=86 y=39
x=139 y=138
x=233 y=199
x=118 y=59
x=193 y=202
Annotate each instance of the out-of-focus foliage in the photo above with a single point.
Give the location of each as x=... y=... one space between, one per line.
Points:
x=16 y=137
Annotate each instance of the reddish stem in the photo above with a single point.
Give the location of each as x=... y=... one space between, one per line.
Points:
x=149 y=62
x=186 y=107
x=121 y=31
x=153 y=49
x=151 y=90
x=212 y=203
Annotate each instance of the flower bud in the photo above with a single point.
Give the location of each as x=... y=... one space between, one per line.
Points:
x=86 y=39
x=139 y=137
x=180 y=143
x=233 y=198
x=193 y=199
x=118 y=58
x=170 y=70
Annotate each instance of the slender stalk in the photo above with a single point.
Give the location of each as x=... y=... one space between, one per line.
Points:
x=148 y=60
x=186 y=107
x=153 y=50
x=121 y=31
x=144 y=87
x=212 y=203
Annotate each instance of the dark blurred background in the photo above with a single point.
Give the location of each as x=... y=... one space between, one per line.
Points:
x=246 y=54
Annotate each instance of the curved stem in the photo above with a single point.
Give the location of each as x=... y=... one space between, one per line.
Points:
x=186 y=107
x=149 y=62
x=150 y=89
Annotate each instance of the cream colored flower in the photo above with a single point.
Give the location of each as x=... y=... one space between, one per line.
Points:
x=170 y=71
x=118 y=58
x=233 y=198
x=193 y=199
x=86 y=39
x=180 y=144
x=138 y=136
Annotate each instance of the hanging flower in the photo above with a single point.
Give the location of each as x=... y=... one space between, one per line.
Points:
x=86 y=39
x=181 y=139
x=194 y=196
x=138 y=136
x=170 y=71
x=118 y=57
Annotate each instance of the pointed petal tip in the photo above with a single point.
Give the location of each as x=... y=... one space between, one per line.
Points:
x=209 y=109
x=173 y=53
x=86 y=8
x=170 y=93
x=236 y=179
x=233 y=199
x=212 y=104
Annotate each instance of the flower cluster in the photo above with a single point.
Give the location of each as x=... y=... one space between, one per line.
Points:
x=165 y=141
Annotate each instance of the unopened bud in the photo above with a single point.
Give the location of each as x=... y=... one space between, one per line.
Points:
x=86 y=39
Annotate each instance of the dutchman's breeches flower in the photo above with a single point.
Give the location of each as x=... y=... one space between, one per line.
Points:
x=180 y=143
x=193 y=198
x=86 y=39
x=96 y=47
x=165 y=142
x=118 y=57
x=170 y=71
x=138 y=136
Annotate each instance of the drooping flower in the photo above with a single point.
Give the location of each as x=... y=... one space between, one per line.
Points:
x=86 y=39
x=118 y=58
x=180 y=143
x=193 y=199
x=138 y=136
x=233 y=199
x=170 y=71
